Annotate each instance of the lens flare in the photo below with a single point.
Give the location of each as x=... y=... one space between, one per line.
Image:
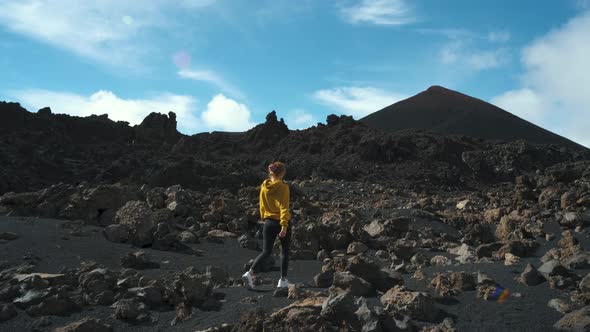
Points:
x=181 y=59
x=499 y=294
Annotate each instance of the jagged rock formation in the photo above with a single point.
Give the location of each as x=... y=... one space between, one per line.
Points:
x=42 y=149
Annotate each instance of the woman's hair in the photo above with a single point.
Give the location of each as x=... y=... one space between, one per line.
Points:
x=276 y=168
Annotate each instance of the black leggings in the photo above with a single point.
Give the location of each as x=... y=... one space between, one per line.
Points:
x=271 y=230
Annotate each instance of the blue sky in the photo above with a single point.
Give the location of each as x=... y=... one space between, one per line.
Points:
x=223 y=65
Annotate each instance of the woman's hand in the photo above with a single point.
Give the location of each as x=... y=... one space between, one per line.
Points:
x=283 y=233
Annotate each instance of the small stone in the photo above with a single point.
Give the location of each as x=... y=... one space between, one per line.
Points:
x=510 y=259
x=374 y=229
x=322 y=255
x=560 y=305
x=8 y=236
x=357 y=248
x=187 y=238
x=281 y=292
x=221 y=234
x=247 y=242
x=418 y=275
x=585 y=283
x=462 y=204
x=382 y=254
x=439 y=260
x=128 y=309
x=138 y=260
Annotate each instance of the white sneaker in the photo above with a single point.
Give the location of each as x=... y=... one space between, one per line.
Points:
x=283 y=283
x=247 y=279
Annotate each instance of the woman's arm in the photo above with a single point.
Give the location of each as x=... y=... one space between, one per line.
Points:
x=284 y=207
x=262 y=210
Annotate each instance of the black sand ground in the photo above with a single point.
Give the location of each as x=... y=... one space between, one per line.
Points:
x=44 y=238
x=49 y=241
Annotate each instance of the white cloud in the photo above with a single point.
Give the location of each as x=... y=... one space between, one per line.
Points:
x=524 y=103
x=118 y=109
x=380 y=12
x=556 y=72
x=211 y=77
x=357 y=101
x=107 y=31
x=461 y=53
x=300 y=119
x=226 y=114
x=499 y=36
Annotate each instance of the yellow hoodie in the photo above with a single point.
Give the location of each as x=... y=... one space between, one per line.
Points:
x=274 y=201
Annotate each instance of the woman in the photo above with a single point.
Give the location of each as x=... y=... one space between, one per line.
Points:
x=274 y=211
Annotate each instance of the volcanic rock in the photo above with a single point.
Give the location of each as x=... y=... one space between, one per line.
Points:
x=117 y=233
x=138 y=260
x=339 y=308
x=7 y=312
x=530 y=276
x=56 y=305
x=353 y=284
x=138 y=218
x=356 y=248
x=247 y=242
x=414 y=304
x=8 y=236
x=578 y=320
x=584 y=284
x=560 y=305
x=85 y=325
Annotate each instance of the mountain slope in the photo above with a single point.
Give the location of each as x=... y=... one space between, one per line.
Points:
x=450 y=112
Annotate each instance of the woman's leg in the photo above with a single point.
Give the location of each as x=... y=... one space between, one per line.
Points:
x=285 y=242
x=269 y=233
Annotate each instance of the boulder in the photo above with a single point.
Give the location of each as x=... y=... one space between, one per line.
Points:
x=553 y=268
x=324 y=279
x=116 y=233
x=368 y=319
x=139 y=219
x=530 y=276
x=417 y=305
x=130 y=310
x=339 y=308
x=56 y=305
